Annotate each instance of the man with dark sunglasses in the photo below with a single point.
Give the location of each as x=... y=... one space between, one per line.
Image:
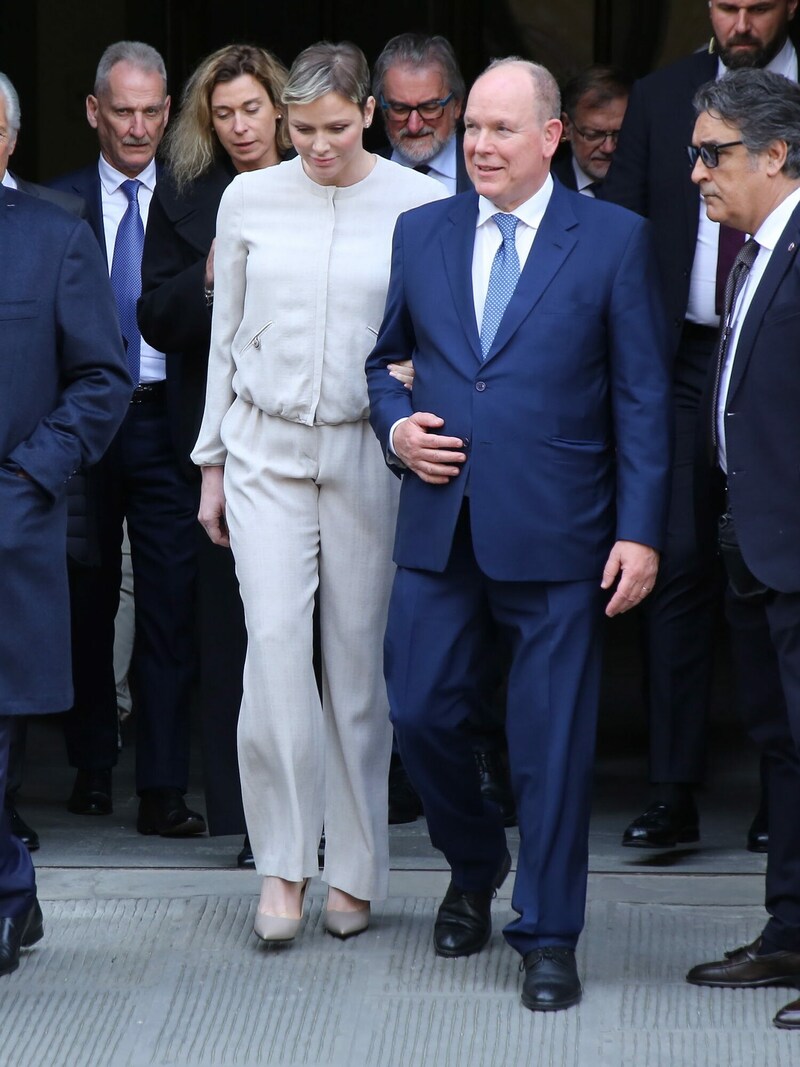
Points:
x=650 y=175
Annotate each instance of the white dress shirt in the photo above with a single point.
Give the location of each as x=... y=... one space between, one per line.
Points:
x=115 y=204
x=767 y=237
x=703 y=283
x=8 y=180
x=442 y=166
x=583 y=182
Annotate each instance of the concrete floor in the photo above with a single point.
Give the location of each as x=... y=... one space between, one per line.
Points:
x=149 y=956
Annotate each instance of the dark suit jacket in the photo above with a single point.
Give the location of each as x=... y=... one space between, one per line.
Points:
x=463 y=183
x=173 y=315
x=566 y=422
x=562 y=168
x=75 y=205
x=762 y=428
x=650 y=172
x=64 y=388
x=86 y=184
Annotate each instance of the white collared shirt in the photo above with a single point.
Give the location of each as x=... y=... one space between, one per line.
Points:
x=8 y=180
x=442 y=166
x=585 y=184
x=767 y=236
x=703 y=284
x=488 y=239
x=115 y=204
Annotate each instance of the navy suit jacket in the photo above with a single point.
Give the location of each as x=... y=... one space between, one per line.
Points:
x=650 y=172
x=64 y=389
x=566 y=422
x=762 y=427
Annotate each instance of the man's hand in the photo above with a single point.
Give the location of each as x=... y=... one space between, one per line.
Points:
x=636 y=566
x=403 y=372
x=433 y=457
x=212 y=506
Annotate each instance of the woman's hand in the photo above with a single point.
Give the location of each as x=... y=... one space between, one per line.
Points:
x=404 y=372
x=212 y=506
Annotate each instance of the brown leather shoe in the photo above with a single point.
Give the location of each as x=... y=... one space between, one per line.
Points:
x=788 y=1018
x=743 y=967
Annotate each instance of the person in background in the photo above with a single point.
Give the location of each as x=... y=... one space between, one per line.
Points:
x=230 y=122
x=594 y=103
x=649 y=176
x=295 y=482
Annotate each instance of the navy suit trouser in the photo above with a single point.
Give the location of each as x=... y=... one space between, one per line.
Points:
x=139 y=479
x=765 y=644
x=17 y=878
x=436 y=641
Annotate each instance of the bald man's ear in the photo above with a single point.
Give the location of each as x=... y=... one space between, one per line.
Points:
x=92 y=106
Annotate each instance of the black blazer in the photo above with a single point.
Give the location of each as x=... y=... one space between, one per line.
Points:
x=650 y=172
x=173 y=315
x=762 y=428
x=562 y=168
x=463 y=183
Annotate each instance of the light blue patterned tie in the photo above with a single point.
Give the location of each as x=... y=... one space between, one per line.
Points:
x=502 y=280
x=126 y=274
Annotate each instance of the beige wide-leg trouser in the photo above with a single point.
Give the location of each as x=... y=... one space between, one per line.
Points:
x=309 y=506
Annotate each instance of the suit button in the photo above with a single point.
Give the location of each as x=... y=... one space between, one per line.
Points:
x=465 y=442
x=480 y=386
x=256 y=343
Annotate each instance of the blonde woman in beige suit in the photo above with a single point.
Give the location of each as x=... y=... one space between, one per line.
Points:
x=293 y=477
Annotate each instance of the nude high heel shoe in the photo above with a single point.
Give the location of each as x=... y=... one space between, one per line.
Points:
x=279 y=927
x=345 y=924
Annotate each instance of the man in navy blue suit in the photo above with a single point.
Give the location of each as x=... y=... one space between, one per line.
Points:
x=64 y=389
x=141 y=479
x=746 y=149
x=536 y=448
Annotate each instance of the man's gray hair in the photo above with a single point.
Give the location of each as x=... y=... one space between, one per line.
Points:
x=9 y=94
x=137 y=53
x=763 y=106
x=419 y=50
x=546 y=93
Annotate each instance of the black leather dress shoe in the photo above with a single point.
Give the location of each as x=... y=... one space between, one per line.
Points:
x=758 y=834
x=788 y=1018
x=663 y=825
x=21 y=932
x=91 y=794
x=744 y=967
x=551 y=979
x=245 y=860
x=404 y=803
x=19 y=828
x=164 y=812
x=464 y=920
x=495 y=784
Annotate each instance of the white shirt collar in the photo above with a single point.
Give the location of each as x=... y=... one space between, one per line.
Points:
x=530 y=212
x=785 y=63
x=111 y=178
x=775 y=223
x=8 y=180
x=582 y=179
x=444 y=162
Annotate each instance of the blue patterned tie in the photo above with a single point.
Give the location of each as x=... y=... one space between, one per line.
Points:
x=502 y=280
x=126 y=274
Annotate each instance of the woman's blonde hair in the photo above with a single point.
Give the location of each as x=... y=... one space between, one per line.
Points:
x=191 y=144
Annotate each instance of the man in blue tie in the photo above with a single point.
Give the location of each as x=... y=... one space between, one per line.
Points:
x=535 y=452
x=141 y=479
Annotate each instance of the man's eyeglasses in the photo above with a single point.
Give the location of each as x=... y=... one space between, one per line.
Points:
x=596 y=136
x=708 y=153
x=428 y=109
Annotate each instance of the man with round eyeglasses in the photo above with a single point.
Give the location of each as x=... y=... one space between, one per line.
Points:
x=650 y=175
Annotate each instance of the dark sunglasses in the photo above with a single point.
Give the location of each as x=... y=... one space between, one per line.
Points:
x=708 y=153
